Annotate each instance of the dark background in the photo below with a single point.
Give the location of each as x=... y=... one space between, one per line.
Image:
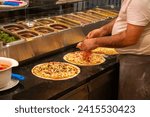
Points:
x=42 y=8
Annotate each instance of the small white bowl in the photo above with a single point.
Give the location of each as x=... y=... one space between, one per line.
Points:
x=5 y=75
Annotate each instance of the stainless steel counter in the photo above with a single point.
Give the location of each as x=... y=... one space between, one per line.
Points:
x=36 y=43
x=44 y=44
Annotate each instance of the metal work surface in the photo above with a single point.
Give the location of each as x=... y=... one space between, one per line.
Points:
x=49 y=42
x=52 y=47
x=36 y=88
x=44 y=44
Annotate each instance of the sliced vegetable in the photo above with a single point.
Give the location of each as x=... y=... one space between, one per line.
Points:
x=6 y=38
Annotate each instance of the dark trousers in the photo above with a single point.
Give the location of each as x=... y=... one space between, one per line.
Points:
x=134 y=77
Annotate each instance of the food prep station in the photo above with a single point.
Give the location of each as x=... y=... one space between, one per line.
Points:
x=49 y=39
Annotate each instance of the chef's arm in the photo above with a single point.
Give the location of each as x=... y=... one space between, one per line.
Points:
x=102 y=31
x=126 y=38
x=108 y=27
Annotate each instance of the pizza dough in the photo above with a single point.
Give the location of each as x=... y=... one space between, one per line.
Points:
x=77 y=58
x=107 y=51
x=56 y=71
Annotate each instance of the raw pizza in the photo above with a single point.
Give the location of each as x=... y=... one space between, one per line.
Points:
x=107 y=51
x=56 y=71
x=82 y=59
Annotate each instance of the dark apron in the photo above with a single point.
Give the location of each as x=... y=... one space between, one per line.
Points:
x=134 y=80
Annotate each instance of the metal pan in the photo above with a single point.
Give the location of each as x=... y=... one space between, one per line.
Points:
x=102 y=13
x=13 y=38
x=59 y=26
x=97 y=18
x=45 y=21
x=66 y=21
x=79 y=19
x=13 y=27
x=97 y=14
x=28 y=35
x=85 y=16
x=43 y=30
x=32 y=25
x=88 y=20
x=106 y=11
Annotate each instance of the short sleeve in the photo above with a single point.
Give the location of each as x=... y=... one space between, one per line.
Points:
x=138 y=12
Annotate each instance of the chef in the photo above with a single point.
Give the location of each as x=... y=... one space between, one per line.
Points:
x=130 y=35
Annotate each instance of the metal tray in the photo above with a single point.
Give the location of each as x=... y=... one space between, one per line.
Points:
x=17 y=41
x=105 y=14
x=13 y=27
x=85 y=16
x=59 y=26
x=94 y=13
x=28 y=35
x=66 y=21
x=111 y=13
x=77 y=18
x=45 y=21
x=43 y=30
x=97 y=18
x=33 y=24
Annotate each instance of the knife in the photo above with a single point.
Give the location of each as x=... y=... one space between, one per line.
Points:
x=17 y=77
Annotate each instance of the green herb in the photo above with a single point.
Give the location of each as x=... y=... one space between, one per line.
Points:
x=6 y=38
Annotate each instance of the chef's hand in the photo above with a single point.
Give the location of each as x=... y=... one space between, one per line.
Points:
x=87 y=44
x=100 y=32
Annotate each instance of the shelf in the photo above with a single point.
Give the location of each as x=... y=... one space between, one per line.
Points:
x=67 y=1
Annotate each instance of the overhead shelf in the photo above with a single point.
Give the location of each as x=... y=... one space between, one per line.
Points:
x=67 y=1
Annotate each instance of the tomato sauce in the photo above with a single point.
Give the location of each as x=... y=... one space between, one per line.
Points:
x=87 y=55
x=4 y=66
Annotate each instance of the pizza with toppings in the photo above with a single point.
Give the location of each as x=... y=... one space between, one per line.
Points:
x=56 y=71
x=78 y=58
x=107 y=51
